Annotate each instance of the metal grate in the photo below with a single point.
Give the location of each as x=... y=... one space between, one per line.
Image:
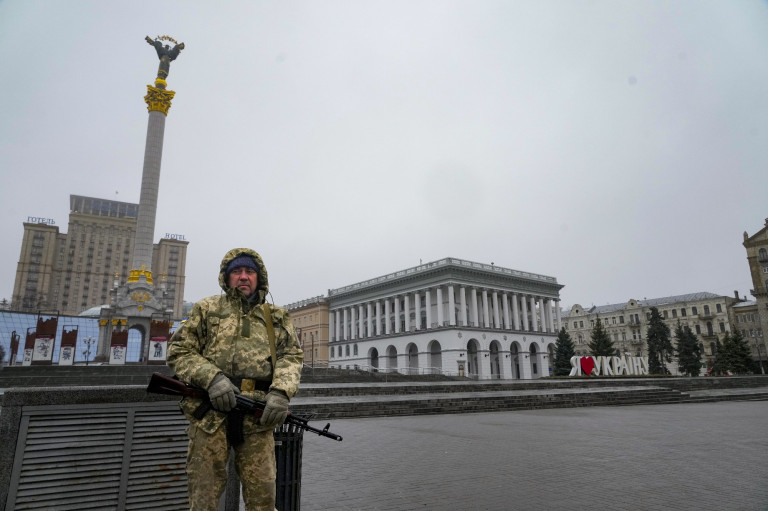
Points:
x=80 y=457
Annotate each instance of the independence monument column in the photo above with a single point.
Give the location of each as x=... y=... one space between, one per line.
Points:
x=158 y=101
x=139 y=304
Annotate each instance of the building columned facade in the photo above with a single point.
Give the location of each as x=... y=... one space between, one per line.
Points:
x=449 y=316
x=75 y=271
x=310 y=319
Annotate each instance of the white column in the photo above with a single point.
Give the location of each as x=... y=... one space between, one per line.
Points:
x=550 y=316
x=440 y=307
x=526 y=372
x=369 y=310
x=378 y=318
x=515 y=311
x=387 y=319
x=346 y=324
x=352 y=323
x=407 y=311
x=559 y=320
x=331 y=320
x=526 y=325
x=451 y=306
x=428 y=305
x=486 y=312
x=360 y=322
x=417 y=309
x=475 y=314
x=505 y=307
x=496 y=320
x=534 y=322
x=463 y=306
x=397 y=314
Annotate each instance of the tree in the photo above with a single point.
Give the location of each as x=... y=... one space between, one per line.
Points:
x=720 y=364
x=688 y=351
x=564 y=350
x=601 y=344
x=5 y=304
x=736 y=353
x=659 y=346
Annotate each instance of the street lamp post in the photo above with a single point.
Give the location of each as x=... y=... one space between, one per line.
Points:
x=759 y=348
x=87 y=350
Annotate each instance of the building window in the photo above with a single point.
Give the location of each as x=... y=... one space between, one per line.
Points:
x=706 y=310
x=674 y=313
x=621 y=320
x=719 y=308
x=698 y=329
x=682 y=312
x=722 y=327
x=694 y=311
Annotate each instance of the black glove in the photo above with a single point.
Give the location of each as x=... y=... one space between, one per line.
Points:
x=276 y=409
x=221 y=392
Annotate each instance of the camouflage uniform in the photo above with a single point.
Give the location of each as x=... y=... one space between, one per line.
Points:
x=227 y=333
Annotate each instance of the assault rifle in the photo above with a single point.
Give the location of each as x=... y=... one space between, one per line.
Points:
x=161 y=384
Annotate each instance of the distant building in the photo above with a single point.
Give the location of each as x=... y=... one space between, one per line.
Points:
x=757 y=258
x=449 y=316
x=310 y=319
x=707 y=315
x=74 y=271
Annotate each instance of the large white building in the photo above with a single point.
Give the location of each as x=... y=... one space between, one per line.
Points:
x=449 y=316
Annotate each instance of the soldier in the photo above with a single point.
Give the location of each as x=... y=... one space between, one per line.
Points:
x=224 y=347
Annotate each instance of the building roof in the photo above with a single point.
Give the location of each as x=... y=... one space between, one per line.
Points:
x=652 y=302
x=745 y=303
x=448 y=263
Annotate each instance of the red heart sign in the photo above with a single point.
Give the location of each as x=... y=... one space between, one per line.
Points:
x=587 y=365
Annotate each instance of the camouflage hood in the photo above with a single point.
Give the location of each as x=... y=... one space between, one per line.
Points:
x=262 y=285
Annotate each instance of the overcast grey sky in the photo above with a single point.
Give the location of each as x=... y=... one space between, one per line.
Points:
x=619 y=146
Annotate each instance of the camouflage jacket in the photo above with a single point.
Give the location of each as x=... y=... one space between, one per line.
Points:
x=228 y=334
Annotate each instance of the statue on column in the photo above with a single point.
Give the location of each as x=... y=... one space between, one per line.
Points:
x=165 y=53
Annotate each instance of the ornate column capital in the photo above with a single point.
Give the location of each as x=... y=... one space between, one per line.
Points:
x=158 y=100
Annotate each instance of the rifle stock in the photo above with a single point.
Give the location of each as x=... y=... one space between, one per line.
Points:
x=161 y=384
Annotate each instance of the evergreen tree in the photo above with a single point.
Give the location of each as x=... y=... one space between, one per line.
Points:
x=659 y=346
x=564 y=350
x=601 y=344
x=720 y=364
x=737 y=356
x=688 y=351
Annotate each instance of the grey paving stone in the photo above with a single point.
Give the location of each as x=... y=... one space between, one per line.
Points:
x=699 y=456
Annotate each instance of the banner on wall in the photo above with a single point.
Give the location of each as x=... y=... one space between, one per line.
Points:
x=45 y=338
x=157 y=349
x=159 y=333
x=68 y=343
x=43 y=351
x=118 y=348
x=66 y=355
x=29 y=348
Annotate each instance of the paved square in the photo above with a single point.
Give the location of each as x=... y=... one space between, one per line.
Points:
x=708 y=456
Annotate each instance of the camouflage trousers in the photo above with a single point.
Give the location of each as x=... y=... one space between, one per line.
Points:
x=207 y=467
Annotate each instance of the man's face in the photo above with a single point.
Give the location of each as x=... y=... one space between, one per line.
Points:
x=244 y=279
